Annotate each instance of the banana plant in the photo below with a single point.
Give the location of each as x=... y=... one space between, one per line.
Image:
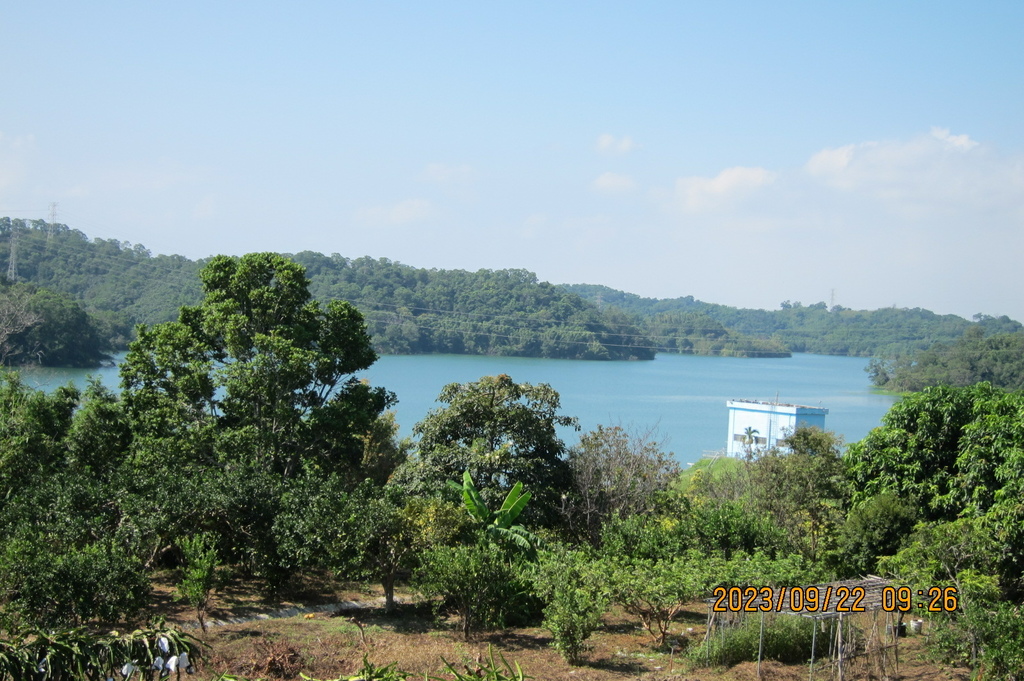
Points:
x=498 y=526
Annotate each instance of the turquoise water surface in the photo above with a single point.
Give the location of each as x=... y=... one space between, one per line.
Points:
x=683 y=396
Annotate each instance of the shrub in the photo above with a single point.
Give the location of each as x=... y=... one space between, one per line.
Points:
x=575 y=601
x=48 y=588
x=199 y=577
x=655 y=591
x=478 y=583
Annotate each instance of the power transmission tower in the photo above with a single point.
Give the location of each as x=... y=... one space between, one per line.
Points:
x=12 y=261
x=53 y=221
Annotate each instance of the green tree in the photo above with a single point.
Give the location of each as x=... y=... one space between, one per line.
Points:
x=247 y=391
x=477 y=582
x=614 y=472
x=271 y=368
x=502 y=432
x=383 y=450
x=199 y=576
x=916 y=453
x=656 y=591
x=803 y=488
x=974 y=357
x=956 y=454
x=66 y=334
x=877 y=527
x=573 y=589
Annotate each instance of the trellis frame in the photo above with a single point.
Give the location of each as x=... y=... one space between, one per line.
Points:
x=843 y=646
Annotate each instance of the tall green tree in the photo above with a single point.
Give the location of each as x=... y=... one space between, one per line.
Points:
x=245 y=393
x=270 y=367
x=803 y=489
x=502 y=432
x=955 y=454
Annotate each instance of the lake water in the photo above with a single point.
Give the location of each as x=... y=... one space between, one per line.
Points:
x=683 y=396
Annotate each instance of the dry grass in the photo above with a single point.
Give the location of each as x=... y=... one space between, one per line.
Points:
x=327 y=646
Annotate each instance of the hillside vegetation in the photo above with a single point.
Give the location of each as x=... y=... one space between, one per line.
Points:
x=409 y=310
x=244 y=451
x=887 y=332
x=996 y=359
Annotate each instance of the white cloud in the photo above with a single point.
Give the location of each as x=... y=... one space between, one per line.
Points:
x=830 y=161
x=609 y=144
x=963 y=142
x=401 y=213
x=928 y=175
x=446 y=174
x=703 y=193
x=614 y=183
x=934 y=221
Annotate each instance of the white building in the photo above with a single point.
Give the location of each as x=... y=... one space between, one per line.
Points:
x=768 y=422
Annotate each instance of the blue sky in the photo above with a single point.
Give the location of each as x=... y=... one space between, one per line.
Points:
x=740 y=152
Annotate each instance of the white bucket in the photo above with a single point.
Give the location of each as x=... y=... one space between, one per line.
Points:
x=916 y=626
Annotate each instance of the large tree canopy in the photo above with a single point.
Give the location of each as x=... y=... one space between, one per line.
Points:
x=958 y=454
x=503 y=432
x=268 y=366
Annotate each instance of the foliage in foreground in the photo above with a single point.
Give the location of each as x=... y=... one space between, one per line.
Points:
x=987 y=639
x=478 y=583
x=572 y=588
x=74 y=654
x=488 y=670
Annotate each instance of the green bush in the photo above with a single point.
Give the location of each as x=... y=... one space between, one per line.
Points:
x=479 y=583
x=199 y=578
x=988 y=637
x=47 y=588
x=575 y=601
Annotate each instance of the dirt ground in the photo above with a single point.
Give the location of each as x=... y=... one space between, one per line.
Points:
x=325 y=645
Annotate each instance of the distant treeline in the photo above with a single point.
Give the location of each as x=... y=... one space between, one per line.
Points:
x=106 y=287
x=888 y=332
x=996 y=359
x=408 y=310
x=38 y=325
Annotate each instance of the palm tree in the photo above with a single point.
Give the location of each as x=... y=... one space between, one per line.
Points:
x=749 y=439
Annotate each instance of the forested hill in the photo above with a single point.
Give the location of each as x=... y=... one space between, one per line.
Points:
x=887 y=332
x=409 y=310
x=503 y=312
x=997 y=359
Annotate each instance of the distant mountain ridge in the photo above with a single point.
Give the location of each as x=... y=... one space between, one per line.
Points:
x=412 y=310
x=408 y=310
x=887 y=332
